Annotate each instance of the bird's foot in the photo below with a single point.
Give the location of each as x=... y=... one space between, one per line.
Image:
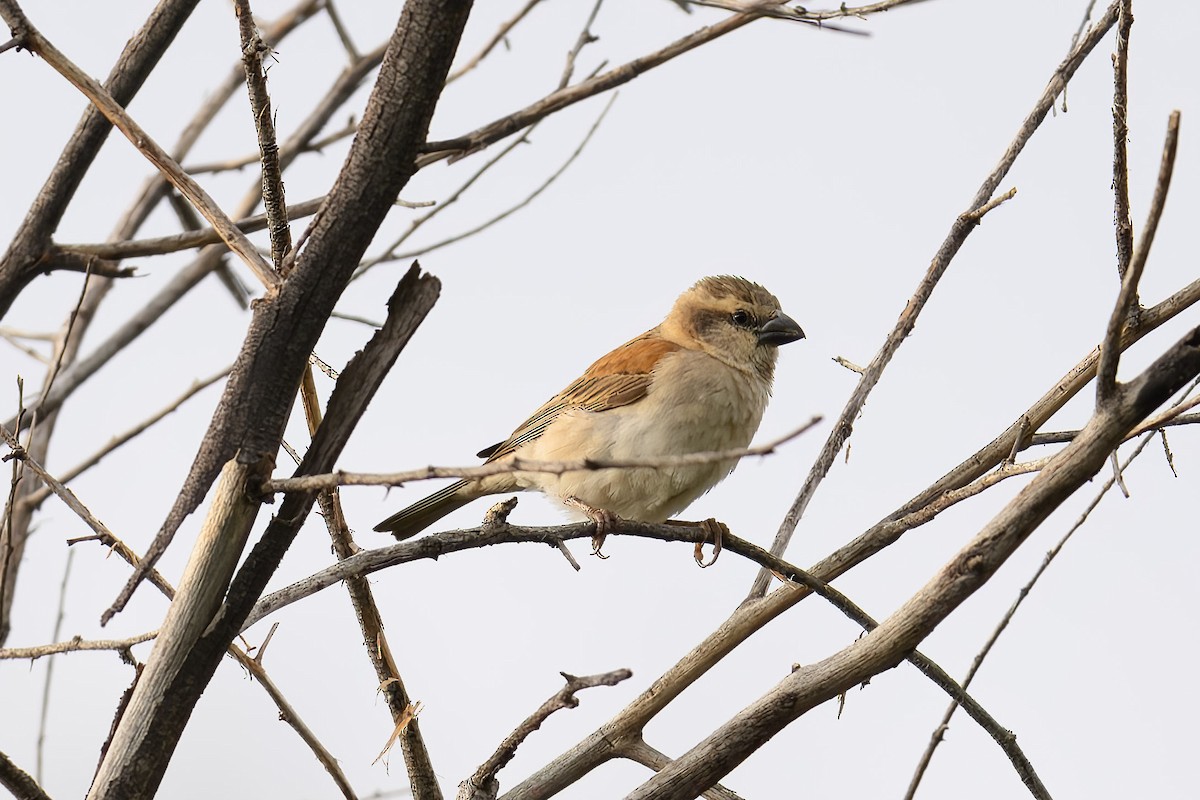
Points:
x=603 y=519
x=713 y=530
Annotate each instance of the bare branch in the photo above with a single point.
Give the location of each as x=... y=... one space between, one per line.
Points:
x=35 y=498
x=114 y=113
x=498 y=37
x=959 y=231
x=421 y=776
x=19 y=782
x=1106 y=372
x=309 y=483
x=76 y=644
x=483 y=780
x=970 y=569
x=977 y=662
x=260 y=109
x=188 y=240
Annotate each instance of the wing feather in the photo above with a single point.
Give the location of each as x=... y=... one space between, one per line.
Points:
x=618 y=379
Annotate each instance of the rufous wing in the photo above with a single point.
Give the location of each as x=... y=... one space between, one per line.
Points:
x=618 y=379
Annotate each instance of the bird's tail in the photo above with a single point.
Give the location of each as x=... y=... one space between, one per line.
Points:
x=423 y=513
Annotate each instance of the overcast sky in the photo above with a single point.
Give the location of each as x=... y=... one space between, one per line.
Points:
x=826 y=166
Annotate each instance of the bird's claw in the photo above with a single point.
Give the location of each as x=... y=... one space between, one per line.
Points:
x=714 y=530
x=602 y=518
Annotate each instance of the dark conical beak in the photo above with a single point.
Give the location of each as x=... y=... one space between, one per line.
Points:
x=779 y=329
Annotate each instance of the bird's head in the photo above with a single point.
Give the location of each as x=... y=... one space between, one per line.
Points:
x=734 y=320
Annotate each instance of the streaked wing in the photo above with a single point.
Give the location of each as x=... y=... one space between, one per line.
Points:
x=618 y=379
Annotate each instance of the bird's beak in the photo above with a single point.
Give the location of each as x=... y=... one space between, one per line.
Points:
x=779 y=329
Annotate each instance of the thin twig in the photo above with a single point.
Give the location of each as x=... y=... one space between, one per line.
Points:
x=516 y=206
x=342 y=33
x=58 y=620
x=1166 y=169
x=498 y=37
x=330 y=480
x=35 y=498
x=585 y=38
x=75 y=644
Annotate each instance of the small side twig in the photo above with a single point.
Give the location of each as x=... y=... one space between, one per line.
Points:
x=978 y=214
x=477 y=786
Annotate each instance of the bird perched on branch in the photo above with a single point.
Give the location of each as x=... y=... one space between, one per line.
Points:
x=699 y=382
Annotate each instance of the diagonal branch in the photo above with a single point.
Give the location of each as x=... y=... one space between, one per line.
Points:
x=959 y=231
x=421 y=777
x=114 y=113
x=20 y=264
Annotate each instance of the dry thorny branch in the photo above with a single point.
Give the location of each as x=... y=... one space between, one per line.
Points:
x=222 y=593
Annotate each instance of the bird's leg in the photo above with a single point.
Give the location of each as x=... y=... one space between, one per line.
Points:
x=603 y=519
x=712 y=529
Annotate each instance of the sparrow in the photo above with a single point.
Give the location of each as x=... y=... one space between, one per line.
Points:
x=698 y=382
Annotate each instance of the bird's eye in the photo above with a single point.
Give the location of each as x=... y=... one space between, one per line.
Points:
x=741 y=318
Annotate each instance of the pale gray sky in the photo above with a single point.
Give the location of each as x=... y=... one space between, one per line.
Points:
x=826 y=166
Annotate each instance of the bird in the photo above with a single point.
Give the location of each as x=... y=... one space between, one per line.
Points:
x=697 y=382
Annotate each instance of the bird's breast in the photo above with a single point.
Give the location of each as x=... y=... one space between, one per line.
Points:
x=694 y=404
